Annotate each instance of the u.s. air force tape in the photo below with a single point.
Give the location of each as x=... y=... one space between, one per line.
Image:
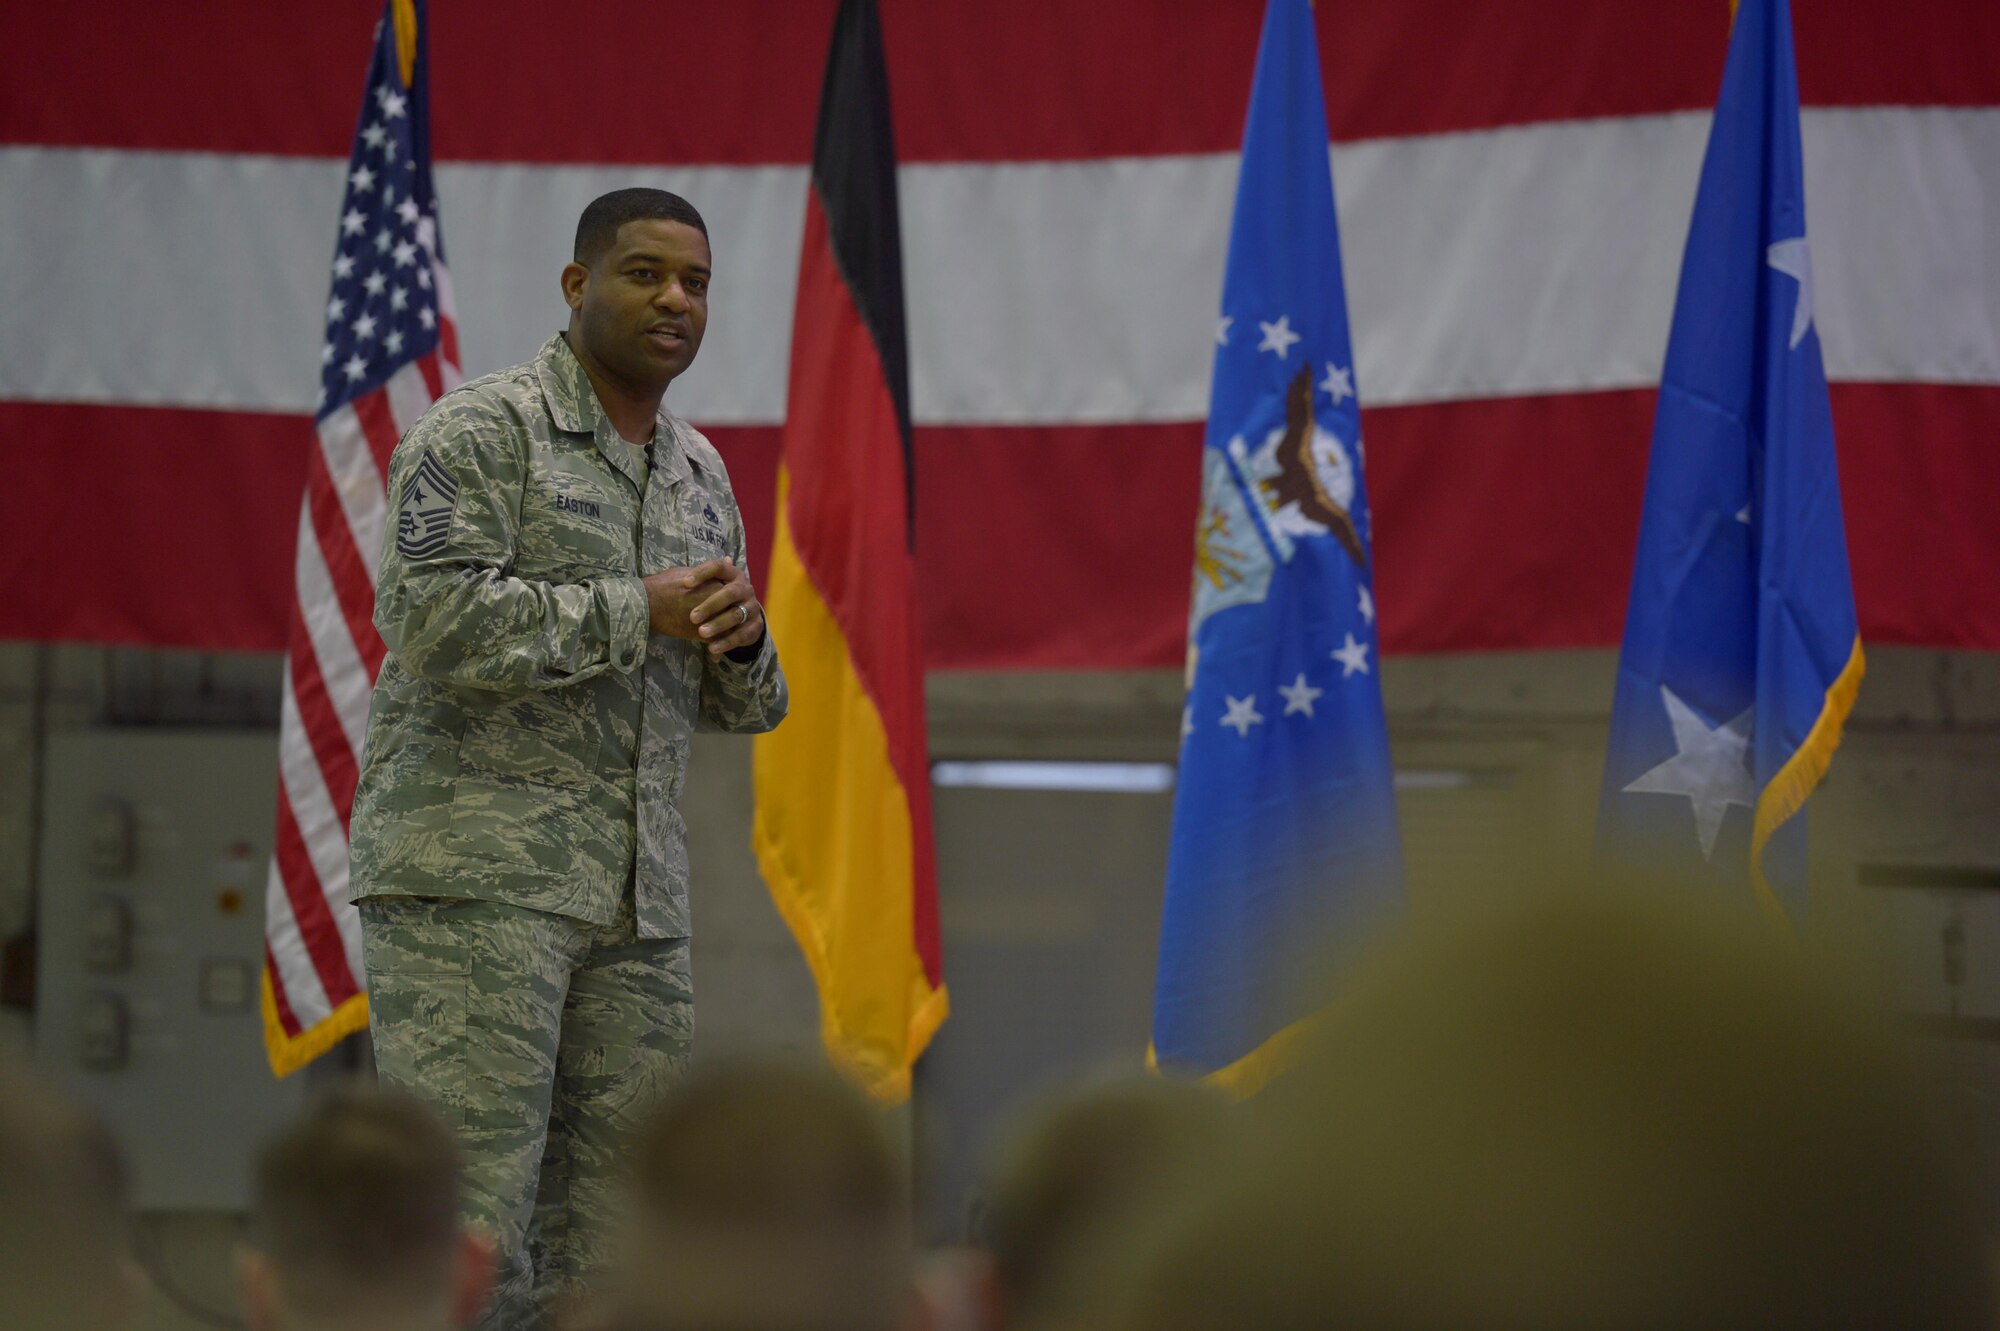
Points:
x=424 y=518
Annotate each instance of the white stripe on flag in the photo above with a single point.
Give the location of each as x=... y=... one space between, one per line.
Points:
x=1531 y=259
x=409 y=398
x=320 y=827
x=350 y=465
x=341 y=668
x=296 y=974
x=452 y=373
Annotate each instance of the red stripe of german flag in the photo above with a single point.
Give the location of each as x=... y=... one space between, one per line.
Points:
x=843 y=822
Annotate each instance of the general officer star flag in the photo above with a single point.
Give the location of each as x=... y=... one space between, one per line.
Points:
x=1741 y=656
x=1284 y=817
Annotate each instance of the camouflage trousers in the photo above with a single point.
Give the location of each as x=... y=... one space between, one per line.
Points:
x=544 y=1041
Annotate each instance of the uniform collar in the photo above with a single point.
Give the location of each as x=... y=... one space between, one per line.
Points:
x=574 y=407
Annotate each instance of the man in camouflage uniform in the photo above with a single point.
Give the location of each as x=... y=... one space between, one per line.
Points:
x=564 y=602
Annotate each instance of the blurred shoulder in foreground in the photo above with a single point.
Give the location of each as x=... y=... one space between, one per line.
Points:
x=65 y=1251
x=1604 y=1109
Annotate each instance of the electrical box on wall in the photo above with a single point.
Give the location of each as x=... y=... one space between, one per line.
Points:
x=151 y=926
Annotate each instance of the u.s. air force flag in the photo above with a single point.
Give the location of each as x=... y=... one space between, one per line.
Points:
x=1285 y=817
x=1741 y=655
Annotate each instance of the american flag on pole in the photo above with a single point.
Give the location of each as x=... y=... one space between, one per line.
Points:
x=388 y=351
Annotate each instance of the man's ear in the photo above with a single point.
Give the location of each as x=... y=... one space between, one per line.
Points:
x=986 y=1290
x=957 y=1289
x=256 y=1289
x=575 y=277
x=474 y=1280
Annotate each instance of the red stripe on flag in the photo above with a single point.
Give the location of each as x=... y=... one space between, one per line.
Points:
x=352 y=586
x=186 y=538
x=332 y=750
x=1499 y=524
x=1537 y=501
x=448 y=346
x=310 y=910
x=751 y=454
x=1011 y=521
x=1919 y=490
x=427 y=366
x=287 y=1020
x=975 y=81
x=849 y=524
x=378 y=426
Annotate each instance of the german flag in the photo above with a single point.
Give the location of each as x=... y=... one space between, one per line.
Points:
x=843 y=822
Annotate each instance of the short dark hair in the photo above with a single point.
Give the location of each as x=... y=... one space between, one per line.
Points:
x=356 y=1203
x=1624 y=1105
x=769 y=1195
x=767 y=1141
x=1085 y=1163
x=597 y=229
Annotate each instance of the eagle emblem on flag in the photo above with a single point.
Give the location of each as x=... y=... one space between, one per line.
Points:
x=1303 y=477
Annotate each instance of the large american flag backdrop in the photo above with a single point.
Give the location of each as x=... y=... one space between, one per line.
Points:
x=1514 y=184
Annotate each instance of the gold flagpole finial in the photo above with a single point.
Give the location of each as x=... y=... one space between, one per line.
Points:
x=405 y=12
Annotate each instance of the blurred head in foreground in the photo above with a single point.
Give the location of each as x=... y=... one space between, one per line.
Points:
x=768 y=1196
x=65 y=1255
x=1077 y=1173
x=1603 y=1111
x=355 y=1222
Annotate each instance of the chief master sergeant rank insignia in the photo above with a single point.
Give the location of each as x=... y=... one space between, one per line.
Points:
x=425 y=515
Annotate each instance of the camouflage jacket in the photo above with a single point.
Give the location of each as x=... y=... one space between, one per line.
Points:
x=528 y=737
